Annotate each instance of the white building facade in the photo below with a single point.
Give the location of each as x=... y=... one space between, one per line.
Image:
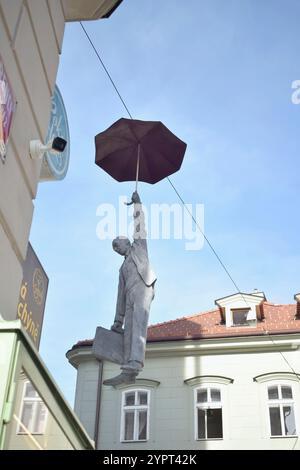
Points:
x=224 y=379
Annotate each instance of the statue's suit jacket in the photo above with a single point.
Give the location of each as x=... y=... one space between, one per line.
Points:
x=139 y=250
x=140 y=257
x=139 y=254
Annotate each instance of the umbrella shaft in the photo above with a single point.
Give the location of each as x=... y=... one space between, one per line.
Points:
x=137 y=167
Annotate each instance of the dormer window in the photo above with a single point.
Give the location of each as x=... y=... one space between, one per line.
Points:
x=241 y=309
x=239 y=316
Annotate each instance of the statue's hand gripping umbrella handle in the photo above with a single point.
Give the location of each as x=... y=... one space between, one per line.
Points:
x=135 y=199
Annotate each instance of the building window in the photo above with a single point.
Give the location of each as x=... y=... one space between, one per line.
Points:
x=239 y=316
x=33 y=413
x=135 y=415
x=281 y=410
x=208 y=415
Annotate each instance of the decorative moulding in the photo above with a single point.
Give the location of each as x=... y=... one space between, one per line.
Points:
x=148 y=383
x=201 y=379
x=276 y=376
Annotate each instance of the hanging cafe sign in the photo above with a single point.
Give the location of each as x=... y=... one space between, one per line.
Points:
x=32 y=297
x=7 y=109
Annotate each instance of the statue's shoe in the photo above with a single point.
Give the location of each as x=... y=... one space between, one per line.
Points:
x=123 y=378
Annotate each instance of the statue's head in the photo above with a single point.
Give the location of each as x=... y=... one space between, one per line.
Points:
x=121 y=245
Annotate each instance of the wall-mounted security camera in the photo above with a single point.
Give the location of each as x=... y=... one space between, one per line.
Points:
x=37 y=149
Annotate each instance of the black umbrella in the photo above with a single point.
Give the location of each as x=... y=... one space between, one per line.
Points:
x=133 y=150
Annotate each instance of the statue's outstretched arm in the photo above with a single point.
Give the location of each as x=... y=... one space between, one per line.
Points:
x=140 y=234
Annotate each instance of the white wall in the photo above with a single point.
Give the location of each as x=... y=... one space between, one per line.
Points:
x=245 y=416
x=86 y=394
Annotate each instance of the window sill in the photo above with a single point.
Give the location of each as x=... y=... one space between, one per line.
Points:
x=135 y=442
x=284 y=437
x=211 y=439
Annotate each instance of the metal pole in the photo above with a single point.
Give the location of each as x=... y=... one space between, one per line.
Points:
x=98 y=405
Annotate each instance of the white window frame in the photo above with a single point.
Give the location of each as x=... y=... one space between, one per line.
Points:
x=21 y=428
x=281 y=402
x=240 y=325
x=134 y=408
x=206 y=406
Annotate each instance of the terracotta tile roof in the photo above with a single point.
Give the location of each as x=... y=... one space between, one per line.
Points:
x=276 y=319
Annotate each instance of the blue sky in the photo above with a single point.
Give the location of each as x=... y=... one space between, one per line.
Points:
x=219 y=75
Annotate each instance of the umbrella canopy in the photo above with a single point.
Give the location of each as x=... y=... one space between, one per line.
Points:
x=132 y=150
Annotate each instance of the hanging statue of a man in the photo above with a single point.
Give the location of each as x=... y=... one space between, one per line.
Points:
x=135 y=294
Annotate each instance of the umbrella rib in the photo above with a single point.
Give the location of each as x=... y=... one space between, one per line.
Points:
x=111 y=154
x=132 y=131
x=147 y=132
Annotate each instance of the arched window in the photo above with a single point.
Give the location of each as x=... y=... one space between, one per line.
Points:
x=135 y=415
x=208 y=412
x=281 y=410
x=280 y=394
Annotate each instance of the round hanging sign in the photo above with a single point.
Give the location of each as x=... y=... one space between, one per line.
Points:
x=55 y=165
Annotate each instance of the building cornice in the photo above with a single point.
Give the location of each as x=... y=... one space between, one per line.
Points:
x=79 y=354
x=229 y=345
x=77 y=10
x=284 y=342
